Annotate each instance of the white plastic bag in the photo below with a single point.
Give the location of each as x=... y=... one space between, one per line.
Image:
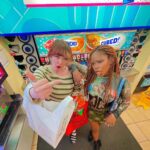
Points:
x=50 y=125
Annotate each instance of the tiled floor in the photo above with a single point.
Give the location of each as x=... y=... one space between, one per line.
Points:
x=137 y=120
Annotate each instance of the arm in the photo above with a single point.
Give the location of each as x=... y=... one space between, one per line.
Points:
x=81 y=68
x=34 y=78
x=40 y=87
x=124 y=100
x=78 y=71
x=76 y=66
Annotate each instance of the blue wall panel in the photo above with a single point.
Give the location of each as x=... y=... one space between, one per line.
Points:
x=15 y=17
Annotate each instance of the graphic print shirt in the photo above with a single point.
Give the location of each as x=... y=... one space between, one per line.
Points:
x=97 y=92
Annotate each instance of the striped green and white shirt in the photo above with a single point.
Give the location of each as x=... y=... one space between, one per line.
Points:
x=61 y=90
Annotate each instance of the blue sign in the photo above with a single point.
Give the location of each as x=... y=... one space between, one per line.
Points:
x=127 y=1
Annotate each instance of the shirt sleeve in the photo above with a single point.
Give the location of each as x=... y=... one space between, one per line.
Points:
x=39 y=73
x=81 y=68
x=124 y=100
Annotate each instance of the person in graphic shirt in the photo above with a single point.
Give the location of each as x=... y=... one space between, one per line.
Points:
x=103 y=77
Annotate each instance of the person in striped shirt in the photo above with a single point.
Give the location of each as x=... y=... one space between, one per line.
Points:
x=55 y=81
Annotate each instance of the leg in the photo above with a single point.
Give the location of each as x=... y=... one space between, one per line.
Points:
x=95 y=128
x=73 y=137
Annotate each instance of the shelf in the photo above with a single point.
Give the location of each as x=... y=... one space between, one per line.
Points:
x=9 y=119
x=147 y=72
x=15 y=128
x=8 y=122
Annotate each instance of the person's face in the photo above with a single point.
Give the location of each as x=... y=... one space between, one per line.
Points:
x=100 y=63
x=58 y=62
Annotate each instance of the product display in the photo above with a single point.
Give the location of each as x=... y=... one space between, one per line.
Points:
x=24 y=38
x=33 y=68
x=31 y=59
x=23 y=49
x=27 y=49
x=83 y=43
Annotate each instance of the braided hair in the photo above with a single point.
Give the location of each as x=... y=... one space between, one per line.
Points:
x=114 y=68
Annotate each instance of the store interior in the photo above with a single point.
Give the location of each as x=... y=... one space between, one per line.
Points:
x=25 y=47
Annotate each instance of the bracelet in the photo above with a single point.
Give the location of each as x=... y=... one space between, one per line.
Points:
x=72 y=67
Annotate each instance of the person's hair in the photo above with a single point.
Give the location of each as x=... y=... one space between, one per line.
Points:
x=114 y=68
x=60 y=47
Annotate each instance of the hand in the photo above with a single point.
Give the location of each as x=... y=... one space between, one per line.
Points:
x=30 y=75
x=78 y=77
x=110 y=120
x=41 y=89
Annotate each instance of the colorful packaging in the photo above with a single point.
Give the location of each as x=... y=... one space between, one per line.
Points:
x=76 y=43
x=118 y=40
x=93 y=40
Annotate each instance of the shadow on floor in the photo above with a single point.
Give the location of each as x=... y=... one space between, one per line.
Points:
x=116 y=138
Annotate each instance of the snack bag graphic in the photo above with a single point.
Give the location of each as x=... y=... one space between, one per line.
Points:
x=93 y=40
x=49 y=43
x=76 y=44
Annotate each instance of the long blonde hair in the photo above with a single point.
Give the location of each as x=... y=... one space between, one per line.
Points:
x=114 y=68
